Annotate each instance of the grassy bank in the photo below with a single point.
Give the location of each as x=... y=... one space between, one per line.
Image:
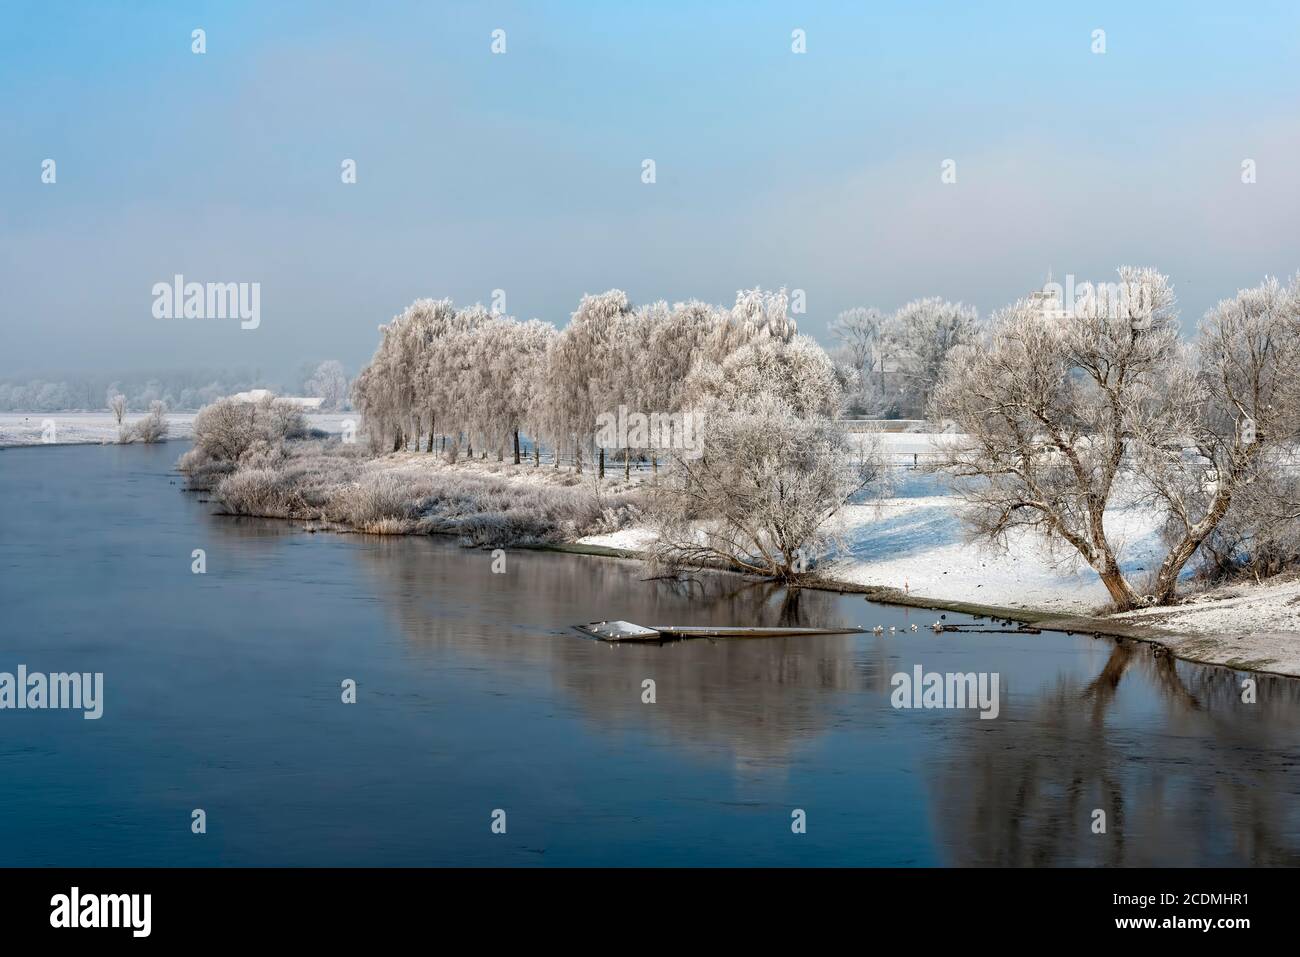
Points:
x=480 y=503
x=499 y=504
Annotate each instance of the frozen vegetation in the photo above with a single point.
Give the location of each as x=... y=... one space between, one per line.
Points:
x=83 y=428
x=1078 y=463
x=179 y=390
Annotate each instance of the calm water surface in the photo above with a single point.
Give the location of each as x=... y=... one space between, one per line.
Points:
x=222 y=692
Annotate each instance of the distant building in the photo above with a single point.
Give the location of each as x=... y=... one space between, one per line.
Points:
x=261 y=395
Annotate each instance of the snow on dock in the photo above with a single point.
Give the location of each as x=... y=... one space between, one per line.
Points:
x=627 y=631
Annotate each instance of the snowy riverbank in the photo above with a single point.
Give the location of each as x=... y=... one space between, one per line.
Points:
x=909 y=542
x=100 y=428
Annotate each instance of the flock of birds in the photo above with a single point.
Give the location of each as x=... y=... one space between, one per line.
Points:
x=937 y=627
x=878 y=630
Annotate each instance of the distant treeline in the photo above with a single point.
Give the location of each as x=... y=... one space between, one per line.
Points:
x=179 y=390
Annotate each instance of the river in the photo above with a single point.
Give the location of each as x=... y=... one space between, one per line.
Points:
x=222 y=692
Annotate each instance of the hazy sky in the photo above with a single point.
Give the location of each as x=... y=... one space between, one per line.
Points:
x=522 y=171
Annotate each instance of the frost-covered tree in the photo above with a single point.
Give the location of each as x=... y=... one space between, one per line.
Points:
x=480 y=379
x=1060 y=409
x=330 y=383
x=864 y=348
x=152 y=428
x=763 y=495
x=1242 y=425
x=769 y=469
x=674 y=340
x=579 y=370
x=919 y=337
x=797 y=371
x=526 y=382
x=117 y=404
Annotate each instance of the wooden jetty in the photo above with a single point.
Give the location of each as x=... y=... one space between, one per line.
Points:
x=627 y=631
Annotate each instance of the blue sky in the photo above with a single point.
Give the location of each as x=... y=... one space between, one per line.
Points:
x=522 y=171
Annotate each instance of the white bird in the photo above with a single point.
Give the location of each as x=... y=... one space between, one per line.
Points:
x=914 y=627
x=877 y=630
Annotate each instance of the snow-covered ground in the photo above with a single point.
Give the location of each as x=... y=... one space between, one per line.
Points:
x=78 y=428
x=99 y=428
x=912 y=541
x=1249 y=625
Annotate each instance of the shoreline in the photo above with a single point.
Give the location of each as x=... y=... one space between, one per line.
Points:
x=1160 y=640
x=10 y=446
x=1268 y=650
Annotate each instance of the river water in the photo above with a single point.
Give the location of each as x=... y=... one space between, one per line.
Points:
x=222 y=692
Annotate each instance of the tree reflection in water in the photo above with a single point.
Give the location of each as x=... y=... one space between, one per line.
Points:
x=1194 y=785
x=1184 y=771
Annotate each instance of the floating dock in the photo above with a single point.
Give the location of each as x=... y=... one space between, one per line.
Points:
x=627 y=631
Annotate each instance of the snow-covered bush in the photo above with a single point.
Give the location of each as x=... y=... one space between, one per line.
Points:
x=259 y=491
x=226 y=429
x=764 y=495
x=152 y=428
x=375 y=499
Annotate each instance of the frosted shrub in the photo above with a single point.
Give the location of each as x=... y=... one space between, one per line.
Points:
x=259 y=491
x=226 y=429
x=764 y=496
x=152 y=428
x=376 y=499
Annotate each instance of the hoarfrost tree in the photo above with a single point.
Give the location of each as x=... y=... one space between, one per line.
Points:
x=1246 y=403
x=1057 y=406
x=674 y=340
x=763 y=496
x=862 y=334
x=117 y=403
x=798 y=371
x=330 y=383
x=770 y=470
x=534 y=341
x=579 y=370
x=921 y=335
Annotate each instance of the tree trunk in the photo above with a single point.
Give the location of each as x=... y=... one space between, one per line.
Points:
x=1123 y=595
x=516 y=446
x=431 y=421
x=398 y=440
x=627 y=464
x=1181 y=554
x=601 y=472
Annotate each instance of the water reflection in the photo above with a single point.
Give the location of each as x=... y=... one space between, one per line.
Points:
x=464 y=663
x=755 y=700
x=1203 y=779
x=1185 y=772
